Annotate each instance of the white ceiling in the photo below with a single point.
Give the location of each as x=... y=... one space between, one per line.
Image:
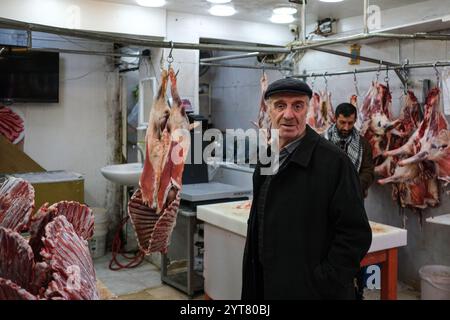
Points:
x=261 y=10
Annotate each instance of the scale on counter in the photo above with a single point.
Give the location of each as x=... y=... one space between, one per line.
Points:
x=196 y=194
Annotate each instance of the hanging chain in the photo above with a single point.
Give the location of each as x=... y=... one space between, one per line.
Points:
x=379 y=69
x=406 y=75
x=313 y=81
x=326 y=81
x=438 y=79
x=355 y=82
x=386 y=79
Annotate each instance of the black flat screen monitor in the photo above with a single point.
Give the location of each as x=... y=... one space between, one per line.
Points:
x=29 y=77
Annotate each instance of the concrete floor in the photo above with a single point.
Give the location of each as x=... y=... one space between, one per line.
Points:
x=144 y=283
x=140 y=283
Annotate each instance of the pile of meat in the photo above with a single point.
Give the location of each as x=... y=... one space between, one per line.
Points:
x=154 y=206
x=11 y=124
x=410 y=152
x=54 y=263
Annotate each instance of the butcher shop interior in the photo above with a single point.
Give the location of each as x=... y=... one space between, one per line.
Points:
x=133 y=135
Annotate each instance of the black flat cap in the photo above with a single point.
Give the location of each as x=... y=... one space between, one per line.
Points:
x=290 y=85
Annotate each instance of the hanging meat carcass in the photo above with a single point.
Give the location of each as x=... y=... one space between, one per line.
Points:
x=415 y=184
x=376 y=120
x=320 y=114
x=405 y=126
x=153 y=215
x=263 y=122
x=157 y=144
x=431 y=141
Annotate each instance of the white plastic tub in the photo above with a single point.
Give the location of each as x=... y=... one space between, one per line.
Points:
x=435 y=282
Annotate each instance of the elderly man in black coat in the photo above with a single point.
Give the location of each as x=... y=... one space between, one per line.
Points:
x=307 y=230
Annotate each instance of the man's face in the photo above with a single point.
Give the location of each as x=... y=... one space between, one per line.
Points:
x=288 y=115
x=345 y=125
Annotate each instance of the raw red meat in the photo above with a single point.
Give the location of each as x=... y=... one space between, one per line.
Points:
x=16 y=203
x=71 y=267
x=11 y=124
x=11 y=291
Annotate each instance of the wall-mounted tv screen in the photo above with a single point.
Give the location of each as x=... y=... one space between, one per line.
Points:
x=29 y=76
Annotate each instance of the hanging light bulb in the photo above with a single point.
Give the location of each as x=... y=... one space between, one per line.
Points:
x=222 y=10
x=151 y=3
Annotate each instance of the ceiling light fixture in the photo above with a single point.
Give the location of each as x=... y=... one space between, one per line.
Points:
x=151 y=3
x=219 y=1
x=282 y=18
x=331 y=0
x=222 y=10
x=283 y=10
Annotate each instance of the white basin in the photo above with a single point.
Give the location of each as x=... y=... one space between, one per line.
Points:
x=126 y=174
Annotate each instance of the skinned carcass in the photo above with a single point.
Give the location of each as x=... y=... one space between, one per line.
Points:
x=70 y=263
x=154 y=224
x=431 y=141
x=79 y=215
x=55 y=262
x=263 y=122
x=157 y=144
x=375 y=119
x=17 y=259
x=16 y=203
x=415 y=185
x=320 y=115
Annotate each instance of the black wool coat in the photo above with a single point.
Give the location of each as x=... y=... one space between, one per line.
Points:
x=316 y=230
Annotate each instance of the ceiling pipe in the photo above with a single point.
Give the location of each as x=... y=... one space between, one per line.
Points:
x=133 y=40
x=365 y=16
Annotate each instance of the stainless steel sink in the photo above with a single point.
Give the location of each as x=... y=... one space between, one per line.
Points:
x=126 y=174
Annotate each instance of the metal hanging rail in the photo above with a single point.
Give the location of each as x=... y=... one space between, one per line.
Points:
x=86 y=52
x=364 y=70
x=242 y=66
x=232 y=57
x=363 y=36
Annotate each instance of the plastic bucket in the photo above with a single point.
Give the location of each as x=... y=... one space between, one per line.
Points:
x=435 y=282
x=100 y=216
x=97 y=244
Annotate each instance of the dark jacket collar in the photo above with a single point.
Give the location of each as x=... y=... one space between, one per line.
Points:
x=302 y=155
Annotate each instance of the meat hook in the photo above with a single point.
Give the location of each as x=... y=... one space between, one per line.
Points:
x=355 y=82
x=170 y=57
x=386 y=79
x=313 y=81
x=405 y=74
x=438 y=80
x=379 y=69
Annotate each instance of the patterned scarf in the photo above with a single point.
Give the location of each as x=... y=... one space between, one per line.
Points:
x=351 y=145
